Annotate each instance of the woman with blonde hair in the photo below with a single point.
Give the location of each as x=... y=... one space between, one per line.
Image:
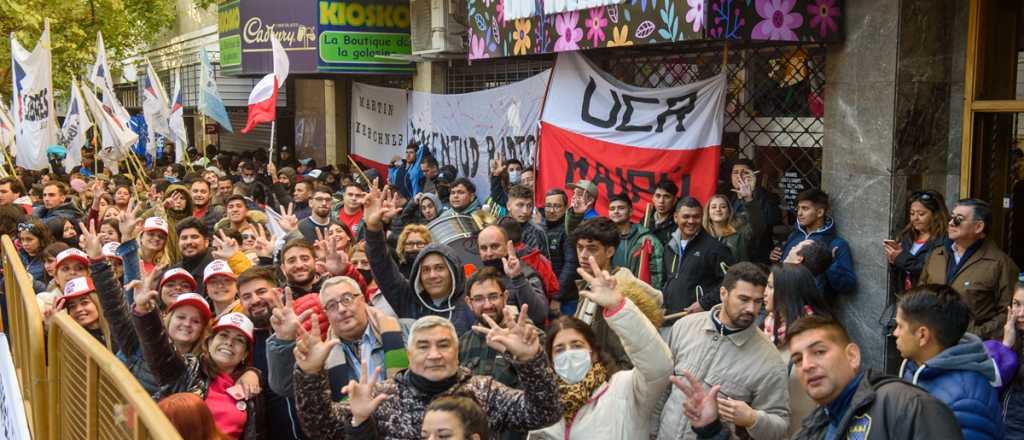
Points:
x=411 y=241
x=721 y=223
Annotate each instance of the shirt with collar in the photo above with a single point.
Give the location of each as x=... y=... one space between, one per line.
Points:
x=838 y=408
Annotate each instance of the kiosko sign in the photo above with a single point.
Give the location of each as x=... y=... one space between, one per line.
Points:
x=359 y=36
x=324 y=36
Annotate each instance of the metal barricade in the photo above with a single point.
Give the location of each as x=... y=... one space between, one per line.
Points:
x=73 y=387
x=26 y=336
x=93 y=395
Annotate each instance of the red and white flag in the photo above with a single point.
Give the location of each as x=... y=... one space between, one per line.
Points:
x=263 y=98
x=626 y=139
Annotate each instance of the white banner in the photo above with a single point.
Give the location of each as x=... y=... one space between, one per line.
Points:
x=13 y=422
x=380 y=118
x=470 y=129
x=34 y=116
x=589 y=102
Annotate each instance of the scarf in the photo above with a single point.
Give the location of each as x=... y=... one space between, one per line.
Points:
x=429 y=387
x=575 y=396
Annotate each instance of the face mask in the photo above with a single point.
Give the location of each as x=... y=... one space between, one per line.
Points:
x=572 y=365
x=496 y=264
x=367 y=275
x=411 y=256
x=248 y=179
x=513 y=176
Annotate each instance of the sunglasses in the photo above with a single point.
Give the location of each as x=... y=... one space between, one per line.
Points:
x=957 y=220
x=25 y=227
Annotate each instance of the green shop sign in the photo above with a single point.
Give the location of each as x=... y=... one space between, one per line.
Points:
x=363 y=37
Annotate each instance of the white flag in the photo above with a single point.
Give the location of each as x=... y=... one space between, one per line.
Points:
x=154 y=103
x=177 y=122
x=6 y=127
x=35 y=120
x=76 y=123
x=100 y=76
x=117 y=136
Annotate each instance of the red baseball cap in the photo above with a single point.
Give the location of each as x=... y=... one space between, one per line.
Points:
x=194 y=300
x=177 y=274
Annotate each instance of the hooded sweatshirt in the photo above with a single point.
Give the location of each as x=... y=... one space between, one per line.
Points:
x=966 y=379
x=839 y=278
x=407 y=297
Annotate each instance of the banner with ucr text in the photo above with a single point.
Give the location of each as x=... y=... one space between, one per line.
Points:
x=625 y=138
x=468 y=130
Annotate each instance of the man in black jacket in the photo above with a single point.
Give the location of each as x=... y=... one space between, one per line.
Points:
x=852 y=403
x=695 y=264
x=664 y=201
x=194 y=241
x=760 y=245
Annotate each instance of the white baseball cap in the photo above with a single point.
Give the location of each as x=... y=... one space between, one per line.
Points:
x=71 y=254
x=155 y=224
x=218 y=267
x=75 y=288
x=177 y=273
x=110 y=250
x=194 y=300
x=236 y=321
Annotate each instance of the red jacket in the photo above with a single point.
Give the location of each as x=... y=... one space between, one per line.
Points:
x=540 y=264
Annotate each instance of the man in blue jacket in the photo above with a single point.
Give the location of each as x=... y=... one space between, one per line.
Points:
x=951 y=364
x=813 y=223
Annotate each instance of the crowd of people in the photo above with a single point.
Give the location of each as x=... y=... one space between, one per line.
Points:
x=277 y=299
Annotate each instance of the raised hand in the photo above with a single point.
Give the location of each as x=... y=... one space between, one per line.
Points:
x=128 y=221
x=513 y=267
x=264 y=243
x=361 y=400
x=1010 y=328
x=498 y=165
x=89 y=240
x=246 y=387
x=745 y=191
x=391 y=206
x=310 y=351
x=225 y=246
x=601 y=286
x=700 y=407
x=516 y=341
x=283 y=319
x=334 y=262
x=373 y=208
x=145 y=300
x=288 y=221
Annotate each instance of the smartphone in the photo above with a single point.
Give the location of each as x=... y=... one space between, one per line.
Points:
x=889 y=243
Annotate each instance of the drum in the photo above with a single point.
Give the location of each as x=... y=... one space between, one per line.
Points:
x=450 y=227
x=459 y=233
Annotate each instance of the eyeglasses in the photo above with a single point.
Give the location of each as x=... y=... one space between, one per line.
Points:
x=346 y=300
x=481 y=299
x=416 y=244
x=957 y=220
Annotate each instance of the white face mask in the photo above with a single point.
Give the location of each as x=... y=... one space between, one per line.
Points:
x=573 y=365
x=513 y=176
x=249 y=179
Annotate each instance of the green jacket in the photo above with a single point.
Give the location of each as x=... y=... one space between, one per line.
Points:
x=628 y=253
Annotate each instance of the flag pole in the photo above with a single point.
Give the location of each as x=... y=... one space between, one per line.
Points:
x=273 y=130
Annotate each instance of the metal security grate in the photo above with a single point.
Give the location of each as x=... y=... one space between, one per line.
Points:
x=465 y=77
x=774 y=112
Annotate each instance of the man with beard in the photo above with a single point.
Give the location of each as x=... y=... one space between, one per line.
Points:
x=298 y=263
x=520 y=208
x=633 y=238
x=194 y=240
x=319 y=214
x=734 y=353
x=435 y=287
x=202 y=199
x=361 y=329
x=258 y=292
x=525 y=286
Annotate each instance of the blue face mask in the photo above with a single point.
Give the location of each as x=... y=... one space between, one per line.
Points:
x=573 y=365
x=514 y=176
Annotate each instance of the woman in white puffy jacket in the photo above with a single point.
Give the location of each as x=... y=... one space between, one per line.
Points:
x=599 y=402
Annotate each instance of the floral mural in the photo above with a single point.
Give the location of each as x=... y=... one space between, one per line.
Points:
x=640 y=22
